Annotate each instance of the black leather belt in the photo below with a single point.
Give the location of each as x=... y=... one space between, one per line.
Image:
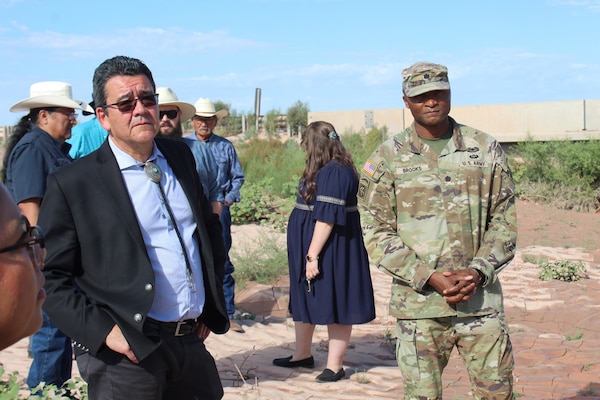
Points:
x=180 y=328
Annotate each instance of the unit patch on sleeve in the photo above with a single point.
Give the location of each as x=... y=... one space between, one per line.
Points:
x=363 y=187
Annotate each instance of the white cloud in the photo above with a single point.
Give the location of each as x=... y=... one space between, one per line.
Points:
x=592 y=5
x=141 y=40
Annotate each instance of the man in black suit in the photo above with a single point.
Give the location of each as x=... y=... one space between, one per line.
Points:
x=134 y=268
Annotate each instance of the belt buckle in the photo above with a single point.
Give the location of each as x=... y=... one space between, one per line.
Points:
x=178 y=327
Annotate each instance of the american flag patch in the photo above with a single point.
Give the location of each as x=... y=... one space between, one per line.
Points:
x=369 y=168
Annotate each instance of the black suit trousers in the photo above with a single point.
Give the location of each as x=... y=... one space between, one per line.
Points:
x=180 y=369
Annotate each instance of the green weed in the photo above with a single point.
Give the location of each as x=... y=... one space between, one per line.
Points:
x=576 y=336
x=565 y=270
x=362 y=377
x=262 y=264
x=74 y=388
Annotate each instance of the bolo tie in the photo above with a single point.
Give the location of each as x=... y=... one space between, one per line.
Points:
x=154 y=174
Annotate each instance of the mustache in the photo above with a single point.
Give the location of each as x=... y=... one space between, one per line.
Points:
x=142 y=119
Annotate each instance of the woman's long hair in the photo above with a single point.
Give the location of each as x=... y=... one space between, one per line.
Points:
x=322 y=144
x=22 y=127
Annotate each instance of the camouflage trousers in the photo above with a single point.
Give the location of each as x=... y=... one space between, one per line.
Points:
x=424 y=347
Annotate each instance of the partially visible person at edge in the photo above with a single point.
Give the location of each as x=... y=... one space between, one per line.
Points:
x=330 y=281
x=86 y=136
x=438 y=212
x=36 y=149
x=134 y=268
x=172 y=113
x=21 y=280
x=231 y=180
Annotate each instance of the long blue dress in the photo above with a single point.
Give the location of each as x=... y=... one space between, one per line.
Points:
x=343 y=292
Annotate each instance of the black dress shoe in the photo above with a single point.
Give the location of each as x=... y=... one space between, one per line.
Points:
x=287 y=362
x=329 y=376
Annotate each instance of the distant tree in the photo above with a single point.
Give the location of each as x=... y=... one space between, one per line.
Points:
x=270 y=121
x=230 y=125
x=297 y=117
x=220 y=105
x=187 y=127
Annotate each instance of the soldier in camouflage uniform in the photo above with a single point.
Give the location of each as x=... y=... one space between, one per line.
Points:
x=438 y=214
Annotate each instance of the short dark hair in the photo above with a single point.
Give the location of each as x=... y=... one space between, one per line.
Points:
x=119 y=65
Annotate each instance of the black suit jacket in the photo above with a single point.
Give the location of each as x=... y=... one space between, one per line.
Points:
x=97 y=269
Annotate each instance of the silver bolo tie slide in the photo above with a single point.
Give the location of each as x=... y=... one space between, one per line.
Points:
x=152 y=171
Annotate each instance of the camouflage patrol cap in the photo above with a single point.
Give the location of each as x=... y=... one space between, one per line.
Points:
x=423 y=77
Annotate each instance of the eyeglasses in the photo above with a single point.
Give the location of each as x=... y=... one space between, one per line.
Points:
x=171 y=114
x=71 y=114
x=35 y=244
x=129 y=105
x=206 y=120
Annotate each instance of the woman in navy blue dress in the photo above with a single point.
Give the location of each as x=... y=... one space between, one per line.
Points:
x=330 y=281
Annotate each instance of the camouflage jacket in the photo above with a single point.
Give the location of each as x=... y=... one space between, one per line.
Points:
x=423 y=213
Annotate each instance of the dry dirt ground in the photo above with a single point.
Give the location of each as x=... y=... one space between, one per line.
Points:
x=545 y=226
x=555 y=329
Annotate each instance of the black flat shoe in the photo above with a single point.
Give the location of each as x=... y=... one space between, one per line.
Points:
x=329 y=376
x=287 y=362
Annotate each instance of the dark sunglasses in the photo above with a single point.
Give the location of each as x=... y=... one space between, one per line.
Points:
x=128 y=105
x=171 y=114
x=35 y=244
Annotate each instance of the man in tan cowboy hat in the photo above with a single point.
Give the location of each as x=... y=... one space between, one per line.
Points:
x=231 y=179
x=172 y=113
x=35 y=149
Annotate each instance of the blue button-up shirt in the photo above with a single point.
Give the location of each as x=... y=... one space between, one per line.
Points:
x=231 y=177
x=176 y=298
x=207 y=168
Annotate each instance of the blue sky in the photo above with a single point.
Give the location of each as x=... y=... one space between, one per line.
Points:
x=331 y=54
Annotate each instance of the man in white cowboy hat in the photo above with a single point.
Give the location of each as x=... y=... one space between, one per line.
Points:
x=35 y=149
x=172 y=113
x=231 y=179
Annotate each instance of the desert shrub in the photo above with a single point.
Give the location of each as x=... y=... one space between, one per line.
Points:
x=566 y=270
x=375 y=137
x=354 y=142
x=74 y=388
x=255 y=205
x=361 y=144
x=262 y=263
x=565 y=174
x=281 y=162
x=258 y=205
x=250 y=133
